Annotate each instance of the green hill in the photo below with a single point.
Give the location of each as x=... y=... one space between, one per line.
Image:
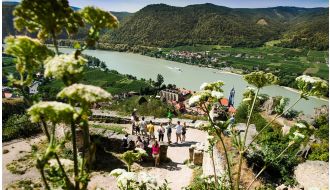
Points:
x=162 y=25
x=168 y=26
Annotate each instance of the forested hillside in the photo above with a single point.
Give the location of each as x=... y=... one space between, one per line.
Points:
x=162 y=25
x=168 y=26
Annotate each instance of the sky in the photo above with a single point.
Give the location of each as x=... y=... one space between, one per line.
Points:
x=135 y=5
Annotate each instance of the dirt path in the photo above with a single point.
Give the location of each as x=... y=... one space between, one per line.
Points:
x=176 y=172
x=17 y=149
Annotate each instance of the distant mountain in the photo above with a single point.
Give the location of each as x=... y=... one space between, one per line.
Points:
x=166 y=26
x=8 y=26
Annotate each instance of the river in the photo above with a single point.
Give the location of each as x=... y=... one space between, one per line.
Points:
x=190 y=77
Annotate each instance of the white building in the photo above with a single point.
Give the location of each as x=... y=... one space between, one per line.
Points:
x=33 y=89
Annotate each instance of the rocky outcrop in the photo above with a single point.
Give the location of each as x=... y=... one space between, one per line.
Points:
x=313 y=175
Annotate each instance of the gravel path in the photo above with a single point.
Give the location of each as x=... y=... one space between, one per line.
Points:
x=17 y=149
x=176 y=172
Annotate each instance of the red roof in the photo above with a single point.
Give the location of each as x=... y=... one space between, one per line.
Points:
x=231 y=109
x=224 y=101
x=8 y=95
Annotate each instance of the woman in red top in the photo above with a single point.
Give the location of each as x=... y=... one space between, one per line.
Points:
x=155 y=149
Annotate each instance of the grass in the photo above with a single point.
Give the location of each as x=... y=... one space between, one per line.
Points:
x=110 y=81
x=21 y=165
x=115 y=128
x=26 y=184
x=153 y=106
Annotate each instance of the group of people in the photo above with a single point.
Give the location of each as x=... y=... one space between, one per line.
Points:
x=148 y=129
x=146 y=132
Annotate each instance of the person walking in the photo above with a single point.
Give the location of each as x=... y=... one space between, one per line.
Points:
x=184 y=130
x=169 y=132
x=151 y=130
x=178 y=132
x=143 y=127
x=139 y=143
x=155 y=149
x=161 y=131
x=137 y=126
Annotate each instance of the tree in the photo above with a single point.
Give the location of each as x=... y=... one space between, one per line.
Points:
x=159 y=82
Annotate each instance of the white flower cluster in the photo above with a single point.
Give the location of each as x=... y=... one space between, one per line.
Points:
x=203 y=86
x=311 y=86
x=210 y=137
x=84 y=93
x=126 y=178
x=64 y=65
x=134 y=180
x=216 y=94
x=300 y=125
x=194 y=100
x=150 y=181
x=298 y=136
x=307 y=79
x=117 y=172
x=51 y=111
x=214 y=86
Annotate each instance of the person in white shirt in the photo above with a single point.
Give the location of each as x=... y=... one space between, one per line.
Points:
x=143 y=127
x=178 y=132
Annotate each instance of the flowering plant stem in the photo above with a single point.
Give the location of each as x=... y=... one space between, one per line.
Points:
x=243 y=148
x=277 y=116
x=213 y=165
x=241 y=145
x=204 y=108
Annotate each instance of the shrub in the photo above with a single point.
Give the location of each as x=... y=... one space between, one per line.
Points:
x=291 y=114
x=322 y=125
x=271 y=144
x=11 y=107
x=320 y=151
x=242 y=114
x=18 y=126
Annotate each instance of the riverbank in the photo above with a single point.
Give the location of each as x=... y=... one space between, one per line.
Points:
x=230 y=71
x=297 y=91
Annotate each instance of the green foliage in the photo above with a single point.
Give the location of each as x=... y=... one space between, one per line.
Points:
x=260 y=79
x=308 y=31
x=272 y=143
x=322 y=127
x=162 y=25
x=48 y=18
x=281 y=104
x=291 y=114
x=29 y=53
x=11 y=107
x=97 y=19
x=26 y=185
x=129 y=157
x=115 y=128
x=153 y=107
x=242 y=114
x=320 y=151
x=159 y=80
x=204 y=183
x=18 y=126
